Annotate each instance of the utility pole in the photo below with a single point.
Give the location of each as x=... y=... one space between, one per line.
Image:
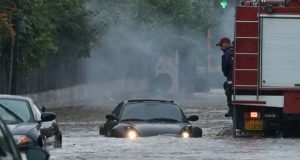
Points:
x=209 y=41
x=209 y=47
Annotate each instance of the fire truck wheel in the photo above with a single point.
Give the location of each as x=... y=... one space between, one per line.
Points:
x=271 y=133
x=291 y=129
x=234 y=121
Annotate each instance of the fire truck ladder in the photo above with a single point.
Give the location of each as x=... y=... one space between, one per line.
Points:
x=247 y=39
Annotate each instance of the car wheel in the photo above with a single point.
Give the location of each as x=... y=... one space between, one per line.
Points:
x=197 y=132
x=57 y=141
x=109 y=133
x=102 y=130
x=41 y=142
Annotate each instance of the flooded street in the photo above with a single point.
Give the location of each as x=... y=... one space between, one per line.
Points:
x=81 y=58
x=81 y=139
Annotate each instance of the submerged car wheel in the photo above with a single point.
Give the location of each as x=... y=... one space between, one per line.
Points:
x=58 y=141
x=42 y=142
x=102 y=130
x=109 y=133
x=197 y=132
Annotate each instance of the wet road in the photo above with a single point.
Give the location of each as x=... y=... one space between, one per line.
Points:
x=81 y=139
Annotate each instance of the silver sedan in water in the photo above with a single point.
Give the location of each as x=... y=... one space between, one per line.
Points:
x=27 y=124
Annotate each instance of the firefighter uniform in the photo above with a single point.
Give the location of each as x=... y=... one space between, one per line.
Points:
x=227 y=64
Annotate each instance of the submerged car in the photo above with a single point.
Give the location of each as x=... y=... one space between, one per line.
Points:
x=144 y=118
x=9 y=149
x=27 y=124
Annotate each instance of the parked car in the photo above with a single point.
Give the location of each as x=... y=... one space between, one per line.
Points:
x=143 y=118
x=27 y=124
x=9 y=149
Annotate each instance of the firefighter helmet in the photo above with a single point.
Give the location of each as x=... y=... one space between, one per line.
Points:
x=223 y=40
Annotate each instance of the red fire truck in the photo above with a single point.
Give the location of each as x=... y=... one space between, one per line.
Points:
x=266 y=79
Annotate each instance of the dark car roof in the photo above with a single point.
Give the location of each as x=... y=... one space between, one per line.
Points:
x=149 y=100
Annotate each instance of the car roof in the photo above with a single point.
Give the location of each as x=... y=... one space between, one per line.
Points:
x=148 y=100
x=16 y=97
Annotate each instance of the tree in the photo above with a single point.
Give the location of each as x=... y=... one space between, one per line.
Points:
x=41 y=26
x=150 y=28
x=189 y=16
x=6 y=24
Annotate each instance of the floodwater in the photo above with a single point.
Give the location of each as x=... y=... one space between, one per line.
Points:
x=81 y=139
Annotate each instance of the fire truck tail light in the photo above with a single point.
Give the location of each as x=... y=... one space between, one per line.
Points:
x=253 y=115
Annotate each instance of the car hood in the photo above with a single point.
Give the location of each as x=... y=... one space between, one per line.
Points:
x=21 y=128
x=154 y=129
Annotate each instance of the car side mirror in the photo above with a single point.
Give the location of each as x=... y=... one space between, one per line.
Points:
x=111 y=117
x=193 y=118
x=47 y=116
x=33 y=153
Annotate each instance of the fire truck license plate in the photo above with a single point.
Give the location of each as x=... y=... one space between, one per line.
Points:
x=253 y=125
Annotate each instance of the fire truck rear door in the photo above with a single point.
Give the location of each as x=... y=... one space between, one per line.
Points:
x=280 y=51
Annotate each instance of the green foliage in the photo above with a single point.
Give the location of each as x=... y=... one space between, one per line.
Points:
x=68 y=28
x=170 y=24
x=4 y=29
x=3 y=40
x=34 y=33
x=48 y=26
x=189 y=16
x=186 y=17
x=74 y=27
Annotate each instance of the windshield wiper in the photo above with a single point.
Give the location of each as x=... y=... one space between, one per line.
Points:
x=132 y=119
x=11 y=113
x=162 y=120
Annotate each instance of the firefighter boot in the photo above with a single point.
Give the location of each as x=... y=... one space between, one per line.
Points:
x=229 y=113
x=228 y=94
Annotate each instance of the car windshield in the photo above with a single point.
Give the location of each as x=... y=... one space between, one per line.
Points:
x=152 y=111
x=15 y=111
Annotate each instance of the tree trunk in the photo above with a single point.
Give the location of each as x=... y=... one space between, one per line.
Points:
x=11 y=66
x=15 y=68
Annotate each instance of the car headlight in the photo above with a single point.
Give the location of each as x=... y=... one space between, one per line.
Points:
x=132 y=134
x=22 y=139
x=185 y=134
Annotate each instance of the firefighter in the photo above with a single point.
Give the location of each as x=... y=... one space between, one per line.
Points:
x=227 y=64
